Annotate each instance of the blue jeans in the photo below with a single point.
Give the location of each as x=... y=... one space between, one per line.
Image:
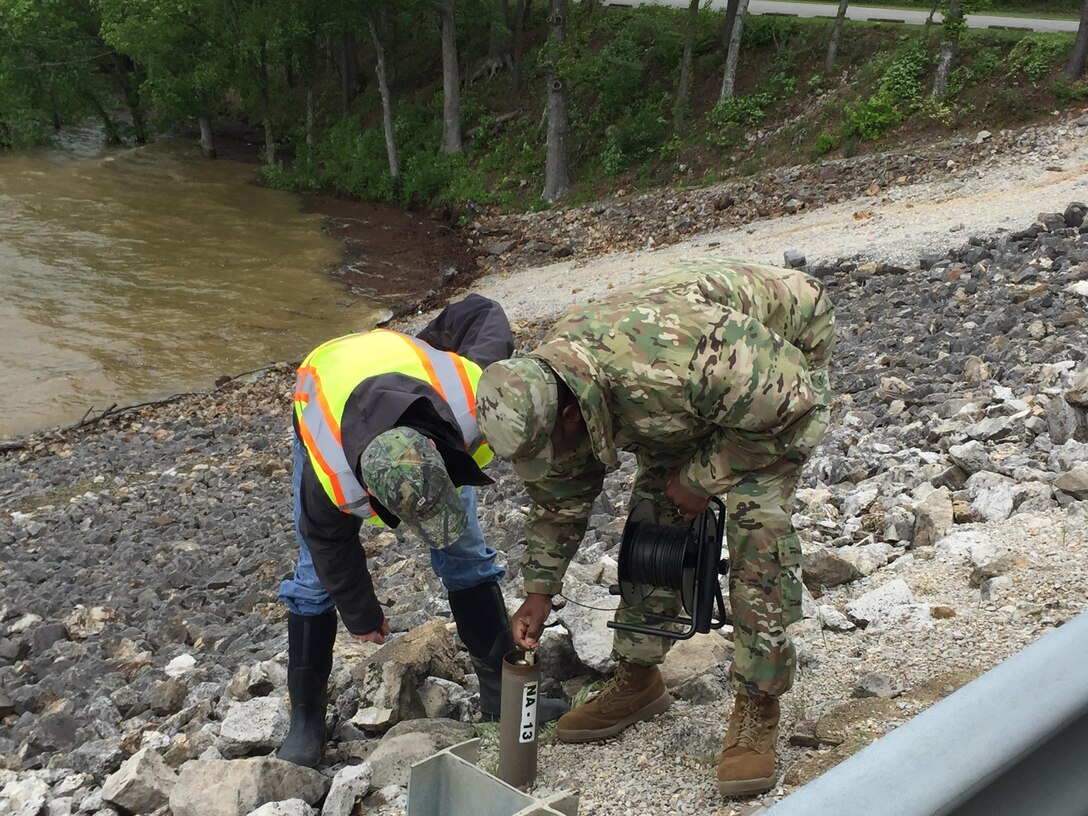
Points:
x=466 y=563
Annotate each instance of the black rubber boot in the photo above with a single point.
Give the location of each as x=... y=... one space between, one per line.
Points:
x=309 y=663
x=484 y=628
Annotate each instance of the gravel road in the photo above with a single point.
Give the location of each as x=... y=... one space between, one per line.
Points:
x=1046 y=169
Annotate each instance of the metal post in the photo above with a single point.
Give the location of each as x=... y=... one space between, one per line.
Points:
x=517 y=718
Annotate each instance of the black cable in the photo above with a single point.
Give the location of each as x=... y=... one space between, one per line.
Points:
x=655 y=554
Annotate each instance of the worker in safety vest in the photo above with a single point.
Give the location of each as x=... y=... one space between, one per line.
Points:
x=385 y=432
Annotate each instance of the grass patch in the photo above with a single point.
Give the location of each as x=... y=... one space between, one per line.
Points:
x=61 y=494
x=585 y=692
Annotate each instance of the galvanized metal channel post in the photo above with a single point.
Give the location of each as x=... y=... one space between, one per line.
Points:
x=1014 y=742
x=451 y=784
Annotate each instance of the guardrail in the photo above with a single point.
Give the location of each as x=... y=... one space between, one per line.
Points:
x=873 y=14
x=1013 y=742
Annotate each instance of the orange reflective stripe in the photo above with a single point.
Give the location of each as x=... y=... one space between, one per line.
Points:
x=323 y=403
x=470 y=397
x=428 y=366
x=315 y=452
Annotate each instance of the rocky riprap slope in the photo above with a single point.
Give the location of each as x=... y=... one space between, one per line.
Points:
x=142 y=649
x=659 y=218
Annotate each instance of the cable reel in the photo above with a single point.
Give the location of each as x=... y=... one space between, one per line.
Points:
x=686 y=558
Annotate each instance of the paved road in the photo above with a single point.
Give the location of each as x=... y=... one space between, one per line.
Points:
x=913 y=16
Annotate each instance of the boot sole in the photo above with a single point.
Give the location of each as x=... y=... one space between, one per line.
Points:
x=651 y=709
x=746 y=787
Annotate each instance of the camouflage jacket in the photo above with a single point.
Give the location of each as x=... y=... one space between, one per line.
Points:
x=709 y=370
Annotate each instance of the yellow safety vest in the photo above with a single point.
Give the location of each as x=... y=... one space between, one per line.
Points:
x=332 y=371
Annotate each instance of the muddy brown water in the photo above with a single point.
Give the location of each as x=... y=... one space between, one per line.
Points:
x=129 y=275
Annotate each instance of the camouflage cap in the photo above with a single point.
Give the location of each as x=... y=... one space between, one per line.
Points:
x=575 y=363
x=405 y=472
x=517 y=401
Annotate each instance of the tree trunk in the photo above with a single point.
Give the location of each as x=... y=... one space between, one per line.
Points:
x=929 y=20
x=451 y=83
x=730 y=20
x=519 y=46
x=387 y=105
x=947 y=58
x=310 y=116
x=1080 y=48
x=556 y=172
x=207 y=137
x=836 y=34
x=349 y=69
x=729 y=77
x=498 y=39
x=54 y=112
x=269 y=141
x=112 y=132
x=129 y=86
x=266 y=105
x=685 y=69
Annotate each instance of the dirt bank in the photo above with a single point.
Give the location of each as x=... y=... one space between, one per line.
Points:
x=400 y=258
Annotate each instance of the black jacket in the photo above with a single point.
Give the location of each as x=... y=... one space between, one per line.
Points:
x=475 y=328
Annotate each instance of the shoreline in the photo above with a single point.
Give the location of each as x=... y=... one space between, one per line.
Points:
x=390 y=254
x=999 y=184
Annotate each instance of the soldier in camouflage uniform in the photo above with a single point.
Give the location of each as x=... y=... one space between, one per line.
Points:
x=715 y=376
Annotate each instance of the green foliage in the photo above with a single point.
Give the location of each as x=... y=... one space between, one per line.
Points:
x=1007 y=103
x=897 y=94
x=984 y=64
x=637 y=135
x=1037 y=55
x=585 y=692
x=941 y=110
x=639 y=48
x=621 y=68
x=264 y=60
x=741 y=110
x=1065 y=91
x=53 y=69
x=825 y=143
x=954 y=27
x=186 y=48
x=768 y=30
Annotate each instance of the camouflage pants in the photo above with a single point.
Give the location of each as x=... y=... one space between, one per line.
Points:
x=765 y=568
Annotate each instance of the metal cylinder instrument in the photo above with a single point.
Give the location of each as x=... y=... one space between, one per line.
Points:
x=517 y=718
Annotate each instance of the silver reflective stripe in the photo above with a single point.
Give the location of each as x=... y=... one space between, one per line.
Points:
x=450 y=380
x=356 y=500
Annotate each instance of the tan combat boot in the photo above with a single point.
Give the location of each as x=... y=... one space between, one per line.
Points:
x=634 y=693
x=747 y=762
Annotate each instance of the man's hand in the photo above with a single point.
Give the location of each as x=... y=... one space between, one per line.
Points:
x=528 y=621
x=377 y=636
x=691 y=505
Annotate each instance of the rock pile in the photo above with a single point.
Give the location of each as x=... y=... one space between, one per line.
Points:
x=142 y=650
x=630 y=221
